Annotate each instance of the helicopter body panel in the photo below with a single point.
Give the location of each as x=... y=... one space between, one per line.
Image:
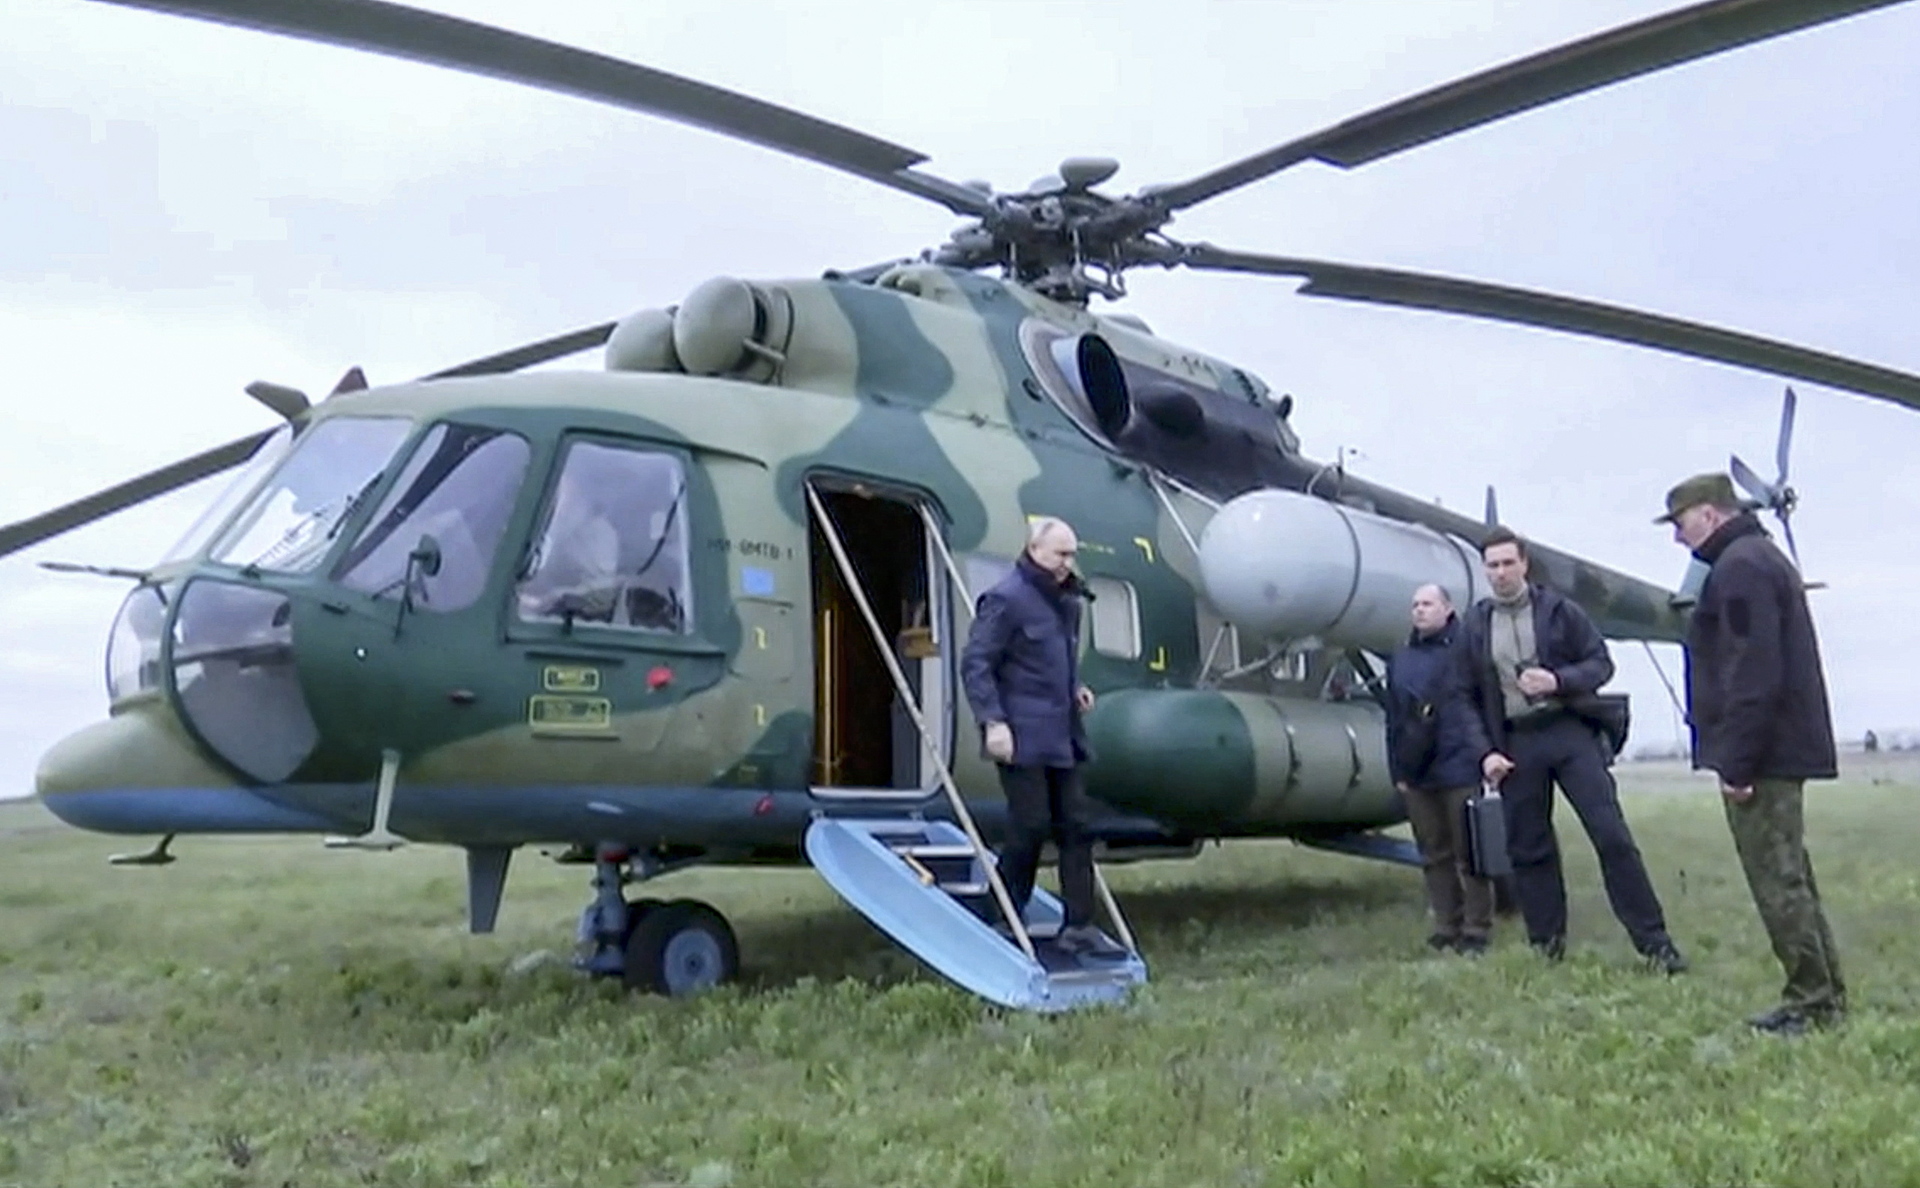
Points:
x=978 y=402
x=511 y=730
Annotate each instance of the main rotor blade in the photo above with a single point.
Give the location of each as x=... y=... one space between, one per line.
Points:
x=101 y=504
x=457 y=44
x=1588 y=64
x=557 y=347
x=1550 y=311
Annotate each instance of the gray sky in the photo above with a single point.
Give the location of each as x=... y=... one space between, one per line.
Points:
x=185 y=208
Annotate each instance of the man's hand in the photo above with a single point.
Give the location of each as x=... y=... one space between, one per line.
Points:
x=1496 y=767
x=1083 y=699
x=1738 y=795
x=1000 y=742
x=1538 y=682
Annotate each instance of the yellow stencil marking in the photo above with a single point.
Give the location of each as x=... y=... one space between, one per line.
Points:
x=1159 y=662
x=548 y=712
x=1146 y=546
x=570 y=678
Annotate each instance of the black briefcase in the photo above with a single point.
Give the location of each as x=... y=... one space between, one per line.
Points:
x=1487 y=835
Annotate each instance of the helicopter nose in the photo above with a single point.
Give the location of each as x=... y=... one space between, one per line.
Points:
x=140 y=772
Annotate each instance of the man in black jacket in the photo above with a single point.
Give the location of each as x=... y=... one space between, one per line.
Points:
x=1528 y=656
x=1431 y=754
x=1757 y=703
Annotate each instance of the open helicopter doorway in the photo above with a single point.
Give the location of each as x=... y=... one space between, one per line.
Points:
x=865 y=743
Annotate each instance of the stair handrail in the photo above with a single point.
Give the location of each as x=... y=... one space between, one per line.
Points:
x=847 y=574
x=1107 y=902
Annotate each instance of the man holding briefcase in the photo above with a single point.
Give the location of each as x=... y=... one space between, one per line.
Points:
x=1436 y=767
x=1529 y=659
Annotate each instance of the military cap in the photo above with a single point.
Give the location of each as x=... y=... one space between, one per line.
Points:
x=1716 y=489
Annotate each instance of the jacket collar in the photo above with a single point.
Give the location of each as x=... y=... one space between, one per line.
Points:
x=1442 y=637
x=1744 y=524
x=1043 y=581
x=1539 y=597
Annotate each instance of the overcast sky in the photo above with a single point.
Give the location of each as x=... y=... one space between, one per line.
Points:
x=185 y=208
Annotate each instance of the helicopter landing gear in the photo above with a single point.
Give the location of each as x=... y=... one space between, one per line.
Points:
x=681 y=948
x=675 y=948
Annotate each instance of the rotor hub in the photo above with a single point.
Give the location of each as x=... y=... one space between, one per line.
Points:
x=1059 y=236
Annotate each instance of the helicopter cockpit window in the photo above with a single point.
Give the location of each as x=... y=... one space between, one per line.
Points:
x=291 y=523
x=613 y=548
x=238 y=487
x=459 y=489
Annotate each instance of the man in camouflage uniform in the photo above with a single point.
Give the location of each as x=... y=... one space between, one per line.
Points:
x=1757 y=703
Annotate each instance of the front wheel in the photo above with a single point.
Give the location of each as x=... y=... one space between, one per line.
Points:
x=681 y=948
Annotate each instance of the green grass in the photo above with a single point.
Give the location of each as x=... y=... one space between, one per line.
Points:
x=268 y=1013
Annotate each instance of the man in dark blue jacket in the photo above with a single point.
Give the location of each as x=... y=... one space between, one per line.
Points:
x=1021 y=668
x=1528 y=656
x=1436 y=767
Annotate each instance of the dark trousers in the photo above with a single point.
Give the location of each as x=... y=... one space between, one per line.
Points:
x=1769 y=833
x=1462 y=902
x=1043 y=803
x=1566 y=751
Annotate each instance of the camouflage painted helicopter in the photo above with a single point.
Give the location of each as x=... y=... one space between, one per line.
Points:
x=681 y=609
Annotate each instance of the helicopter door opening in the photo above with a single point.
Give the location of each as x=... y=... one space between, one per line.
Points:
x=865 y=743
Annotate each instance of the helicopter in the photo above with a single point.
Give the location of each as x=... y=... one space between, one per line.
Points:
x=389 y=626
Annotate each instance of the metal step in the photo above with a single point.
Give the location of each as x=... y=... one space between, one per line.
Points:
x=936 y=850
x=864 y=862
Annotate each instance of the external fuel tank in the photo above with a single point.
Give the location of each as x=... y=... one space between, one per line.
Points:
x=1282 y=565
x=1224 y=763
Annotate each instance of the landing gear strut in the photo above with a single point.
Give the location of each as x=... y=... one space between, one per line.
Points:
x=676 y=948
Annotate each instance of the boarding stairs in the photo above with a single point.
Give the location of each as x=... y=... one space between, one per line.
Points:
x=934 y=886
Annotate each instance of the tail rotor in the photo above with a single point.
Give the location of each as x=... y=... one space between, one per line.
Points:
x=1777 y=496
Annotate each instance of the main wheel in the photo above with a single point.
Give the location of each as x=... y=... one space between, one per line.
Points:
x=681 y=948
x=637 y=910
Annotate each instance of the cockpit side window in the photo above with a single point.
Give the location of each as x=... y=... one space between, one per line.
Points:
x=459 y=489
x=612 y=548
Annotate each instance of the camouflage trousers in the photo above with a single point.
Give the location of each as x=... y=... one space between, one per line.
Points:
x=1769 y=834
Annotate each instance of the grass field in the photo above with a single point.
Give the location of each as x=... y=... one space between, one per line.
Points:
x=268 y=1013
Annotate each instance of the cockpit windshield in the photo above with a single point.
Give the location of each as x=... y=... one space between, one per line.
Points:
x=289 y=526
x=241 y=485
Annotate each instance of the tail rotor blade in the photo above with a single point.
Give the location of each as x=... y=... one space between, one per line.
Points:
x=1786 y=529
x=1786 y=437
x=1751 y=482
